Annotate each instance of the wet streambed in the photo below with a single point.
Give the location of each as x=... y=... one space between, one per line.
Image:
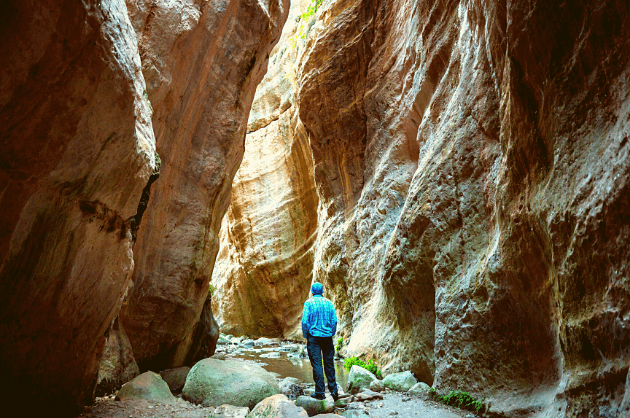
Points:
x=281 y=360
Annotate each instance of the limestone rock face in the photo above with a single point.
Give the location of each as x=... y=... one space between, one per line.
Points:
x=263 y=269
x=472 y=167
x=202 y=62
x=472 y=170
x=76 y=150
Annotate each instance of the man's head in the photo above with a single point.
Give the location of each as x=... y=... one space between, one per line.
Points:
x=317 y=288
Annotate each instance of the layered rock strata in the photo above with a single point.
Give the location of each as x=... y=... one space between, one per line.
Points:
x=472 y=171
x=202 y=62
x=263 y=270
x=76 y=150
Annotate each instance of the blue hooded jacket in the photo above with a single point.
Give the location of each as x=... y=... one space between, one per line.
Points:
x=319 y=318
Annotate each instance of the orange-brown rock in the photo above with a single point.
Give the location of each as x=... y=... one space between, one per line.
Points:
x=202 y=62
x=263 y=269
x=76 y=150
x=472 y=166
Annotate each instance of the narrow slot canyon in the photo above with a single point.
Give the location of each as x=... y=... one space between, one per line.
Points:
x=175 y=175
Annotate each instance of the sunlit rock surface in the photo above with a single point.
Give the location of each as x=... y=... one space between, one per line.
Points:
x=202 y=62
x=263 y=270
x=472 y=172
x=76 y=150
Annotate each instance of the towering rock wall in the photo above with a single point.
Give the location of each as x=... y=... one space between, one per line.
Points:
x=202 y=62
x=263 y=270
x=472 y=170
x=76 y=150
x=78 y=182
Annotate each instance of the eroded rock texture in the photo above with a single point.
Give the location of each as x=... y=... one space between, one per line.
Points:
x=263 y=270
x=118 y=365
x=76 y=151
x=472 y=170
x=202 y=62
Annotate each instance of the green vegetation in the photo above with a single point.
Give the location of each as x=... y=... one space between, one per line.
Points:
x=370 y=366
x=305 y=18
x=462 y=400
x=339 y=344
x=210 y=289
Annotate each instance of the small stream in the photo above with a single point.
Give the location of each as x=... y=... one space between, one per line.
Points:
x=276 y=358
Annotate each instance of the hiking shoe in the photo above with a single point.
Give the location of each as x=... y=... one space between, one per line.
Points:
x=335 y=396
x=318 y=397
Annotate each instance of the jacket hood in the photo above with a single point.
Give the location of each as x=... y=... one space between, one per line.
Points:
x=317 y=288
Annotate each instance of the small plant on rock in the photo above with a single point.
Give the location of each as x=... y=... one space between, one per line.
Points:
x=339 y=344
x=462 y=400
x=369 y=366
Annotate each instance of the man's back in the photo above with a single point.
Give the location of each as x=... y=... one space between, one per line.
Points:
x=319 y=324
x=319 y=318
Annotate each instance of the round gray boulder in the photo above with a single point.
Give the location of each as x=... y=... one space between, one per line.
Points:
x=420 y=388
x=148 y=386
x=400 y=382
x=214 y=382
x=359 y=379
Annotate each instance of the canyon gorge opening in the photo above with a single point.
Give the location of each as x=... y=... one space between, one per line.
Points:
x=455 y=173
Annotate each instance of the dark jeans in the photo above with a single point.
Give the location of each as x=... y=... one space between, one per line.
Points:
x=319 y=347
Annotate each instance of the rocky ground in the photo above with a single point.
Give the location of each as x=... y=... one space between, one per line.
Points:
x=363 y=403
x=393 y=404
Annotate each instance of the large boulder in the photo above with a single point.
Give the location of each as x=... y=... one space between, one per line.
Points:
x=359 y=379
x=175 y=378
x=148 y=386
x=214 y=382
x=401 y=382
x=277 y=406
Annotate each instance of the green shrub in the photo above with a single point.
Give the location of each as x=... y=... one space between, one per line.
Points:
x=210 y=289
x=305 y=18
x=370 y=366
x=462 y=400
x=339 y=344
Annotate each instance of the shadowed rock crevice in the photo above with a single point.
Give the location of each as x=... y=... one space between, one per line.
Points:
x=144 y=200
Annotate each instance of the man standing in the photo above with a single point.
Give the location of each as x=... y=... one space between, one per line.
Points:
x=319 y=325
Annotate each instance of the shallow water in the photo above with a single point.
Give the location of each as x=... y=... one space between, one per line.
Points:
x=290 y=367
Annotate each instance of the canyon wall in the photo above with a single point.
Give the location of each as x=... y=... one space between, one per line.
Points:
x=263 y=271
x=76 y=150
x=202 y=62
x=93 y=219
x=471 y=167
